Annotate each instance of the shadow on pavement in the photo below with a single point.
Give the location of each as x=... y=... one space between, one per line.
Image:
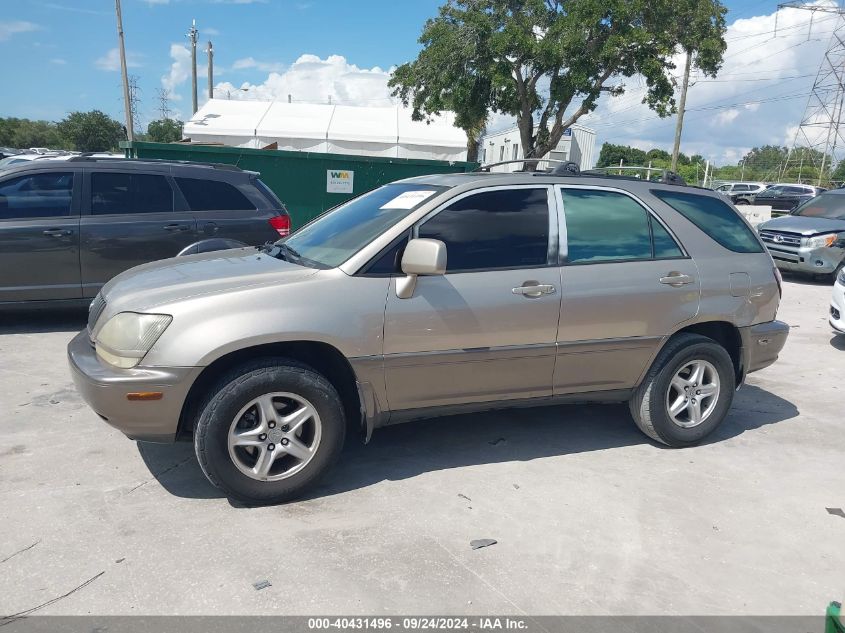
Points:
x=40 y=321
x=838 y=341
x=808 y=279
x=408 y=450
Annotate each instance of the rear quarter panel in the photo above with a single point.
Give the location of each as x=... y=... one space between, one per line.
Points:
x=739 y=288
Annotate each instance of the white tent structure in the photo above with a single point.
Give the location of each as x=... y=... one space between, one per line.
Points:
x=363 y=131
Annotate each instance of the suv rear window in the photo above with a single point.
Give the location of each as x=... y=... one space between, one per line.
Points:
x=713 y=217
x=213 y=195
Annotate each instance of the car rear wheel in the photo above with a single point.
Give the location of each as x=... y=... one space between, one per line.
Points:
x=269 y=431
x=687 y=392
x=741 y=201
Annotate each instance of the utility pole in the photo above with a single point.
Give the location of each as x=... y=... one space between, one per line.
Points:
x=210 y=52
x=679 y=126
x=193 y=35
x=127 y=103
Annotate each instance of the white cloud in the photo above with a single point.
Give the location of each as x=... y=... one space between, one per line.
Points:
x=58 y=61
x=726 y=116
x=8 y=29
x=312 y=79
x=251 y=62
x=180 y=70
x=758 y=98
x=210 y=31
x=111 y=60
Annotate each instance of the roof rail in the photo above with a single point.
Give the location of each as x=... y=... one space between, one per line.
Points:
x=665 y=176
x=87 y=157
x=521 y=160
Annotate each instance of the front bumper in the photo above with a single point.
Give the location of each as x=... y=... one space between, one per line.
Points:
x=822 y=260
x=836 y=316
x=105 y=389
x=761 y=344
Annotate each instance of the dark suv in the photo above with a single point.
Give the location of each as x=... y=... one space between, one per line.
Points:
x=783 y=198
x=67 y=227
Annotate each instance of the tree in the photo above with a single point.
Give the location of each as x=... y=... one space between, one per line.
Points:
x=547 y=62
x=24 y=133
x=611 y=155
x=91 y=131
x=165 y=131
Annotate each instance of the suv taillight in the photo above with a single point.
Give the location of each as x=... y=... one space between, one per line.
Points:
x=779 y=279
x=282 y=224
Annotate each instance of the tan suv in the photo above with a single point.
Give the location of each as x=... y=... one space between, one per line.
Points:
x=430 y=296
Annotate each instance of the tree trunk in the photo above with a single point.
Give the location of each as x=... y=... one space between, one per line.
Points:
x=472 y=148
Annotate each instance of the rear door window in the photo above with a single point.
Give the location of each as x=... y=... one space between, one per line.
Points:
x=213 y=195
x=714 y=218
x=42 y=195
x=121 y=193
x=607 y=226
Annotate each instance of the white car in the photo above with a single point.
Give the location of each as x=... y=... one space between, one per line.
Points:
x=837 y=304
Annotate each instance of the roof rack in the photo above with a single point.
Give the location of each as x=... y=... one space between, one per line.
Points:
x=522 y=160
x=570 y=168
x=665 y=176
x=88 y=157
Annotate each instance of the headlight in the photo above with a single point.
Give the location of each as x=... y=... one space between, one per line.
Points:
x=127 y=337
x=821 y=241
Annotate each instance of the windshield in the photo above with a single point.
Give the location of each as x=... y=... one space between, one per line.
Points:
x=338 y=234
x=826 y=205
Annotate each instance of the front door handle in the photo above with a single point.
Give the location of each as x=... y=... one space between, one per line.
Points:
x=534 y=289
x=175 y=227
x=57 y=232
x=676 y=279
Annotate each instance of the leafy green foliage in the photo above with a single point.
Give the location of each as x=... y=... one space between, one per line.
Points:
x=91 y=131
x=24 y=133
x=547 y=62
x=165 y=131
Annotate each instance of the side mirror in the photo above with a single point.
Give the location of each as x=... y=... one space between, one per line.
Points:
x=422 y=257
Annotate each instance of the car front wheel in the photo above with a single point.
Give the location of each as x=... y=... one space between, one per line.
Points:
x=687 y=392
x=269 y=431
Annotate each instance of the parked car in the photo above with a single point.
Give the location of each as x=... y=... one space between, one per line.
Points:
x=5 y=152
x=25 y=157
x=837 y=303
x=812 y=238
x=741 y=192
x=67 y=227
x=434 y=295
x=786 y=197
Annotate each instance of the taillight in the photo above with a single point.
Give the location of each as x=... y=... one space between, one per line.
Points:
x=780 y=281
x=282 y=224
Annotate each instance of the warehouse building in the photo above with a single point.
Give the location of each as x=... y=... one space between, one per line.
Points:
x=578 y=144
x=325 y=128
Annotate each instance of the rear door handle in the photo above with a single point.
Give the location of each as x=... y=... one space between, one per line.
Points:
x=676 y=279
x=533 y=289
x=57 y=232
x=175 y=227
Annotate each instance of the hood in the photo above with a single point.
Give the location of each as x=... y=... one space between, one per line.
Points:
x=168 y=280
x=805 y=225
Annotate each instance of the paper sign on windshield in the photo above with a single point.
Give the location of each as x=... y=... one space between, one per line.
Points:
x=408 y=200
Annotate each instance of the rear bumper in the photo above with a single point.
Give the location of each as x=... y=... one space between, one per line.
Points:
x=761 y=344
x=104 y=388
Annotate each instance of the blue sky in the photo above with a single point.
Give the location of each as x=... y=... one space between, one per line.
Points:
x=58 y=55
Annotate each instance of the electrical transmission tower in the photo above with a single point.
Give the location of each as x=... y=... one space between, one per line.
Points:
x=819 y=142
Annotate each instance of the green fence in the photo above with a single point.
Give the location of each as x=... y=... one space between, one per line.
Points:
x=307 y=182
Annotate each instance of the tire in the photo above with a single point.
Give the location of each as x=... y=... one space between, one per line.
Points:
x=231 y=413
x=835 y=274
x=649 y=406
x=742 y=201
